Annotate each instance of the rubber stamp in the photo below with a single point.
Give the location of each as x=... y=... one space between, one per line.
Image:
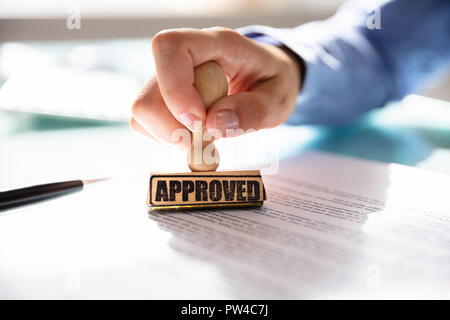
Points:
x=204 y=187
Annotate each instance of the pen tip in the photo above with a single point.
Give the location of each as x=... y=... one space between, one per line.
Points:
x=94 y=180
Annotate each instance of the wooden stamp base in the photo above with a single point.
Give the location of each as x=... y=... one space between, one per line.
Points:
x=200 y=190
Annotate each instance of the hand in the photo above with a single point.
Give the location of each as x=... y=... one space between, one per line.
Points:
x=263 y=82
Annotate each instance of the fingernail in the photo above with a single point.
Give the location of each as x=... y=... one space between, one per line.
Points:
x=226 y=119
x=188 y=120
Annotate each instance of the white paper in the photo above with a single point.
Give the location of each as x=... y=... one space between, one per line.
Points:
x=333 y=227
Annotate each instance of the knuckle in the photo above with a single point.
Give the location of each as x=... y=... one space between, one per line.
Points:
x=132 y=123
x=218 y=29
x=146 y=98
x=166 y=39
x=225 y=34
x=260 y=118
x=137 y=109
x=230 y=35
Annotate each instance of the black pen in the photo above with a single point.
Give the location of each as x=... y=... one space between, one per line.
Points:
x=24 y=196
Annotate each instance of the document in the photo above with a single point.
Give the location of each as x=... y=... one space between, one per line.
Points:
x=332 y=227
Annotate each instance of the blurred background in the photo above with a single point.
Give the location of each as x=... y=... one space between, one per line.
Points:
x=66 y=87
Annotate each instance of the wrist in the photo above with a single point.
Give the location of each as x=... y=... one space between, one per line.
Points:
x=294 y=59
x=297 y=63
x=291 y=61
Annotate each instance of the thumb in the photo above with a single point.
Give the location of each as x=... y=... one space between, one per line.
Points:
x=256 y=109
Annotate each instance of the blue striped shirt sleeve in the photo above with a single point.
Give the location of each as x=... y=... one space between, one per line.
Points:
x=365 y=56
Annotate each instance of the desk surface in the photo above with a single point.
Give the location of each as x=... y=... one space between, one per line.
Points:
x=415 y=132
x=105 y=244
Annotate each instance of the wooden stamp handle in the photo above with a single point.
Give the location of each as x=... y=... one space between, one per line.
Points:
x=211 y=83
